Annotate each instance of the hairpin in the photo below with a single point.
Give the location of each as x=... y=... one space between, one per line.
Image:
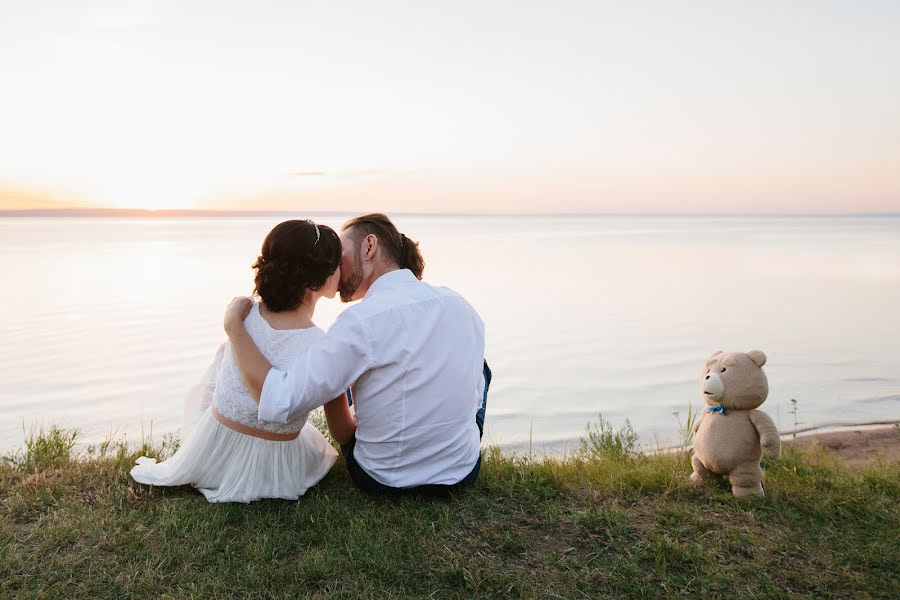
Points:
x=318 y=235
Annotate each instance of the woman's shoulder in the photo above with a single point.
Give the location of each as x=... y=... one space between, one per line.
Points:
x=290 y=328
x=282 y=348
x=254 y=316
x=309 y=335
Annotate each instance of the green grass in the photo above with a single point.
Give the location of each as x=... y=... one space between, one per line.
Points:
x=607 y=522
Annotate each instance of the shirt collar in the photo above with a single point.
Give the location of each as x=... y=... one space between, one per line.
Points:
x=391 y=280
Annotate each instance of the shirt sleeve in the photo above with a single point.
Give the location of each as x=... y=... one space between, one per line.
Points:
x=320 y=374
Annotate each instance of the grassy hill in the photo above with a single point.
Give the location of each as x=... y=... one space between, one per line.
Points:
x=605 y=522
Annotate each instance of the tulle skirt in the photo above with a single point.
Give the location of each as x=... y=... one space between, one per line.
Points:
x=227 y=466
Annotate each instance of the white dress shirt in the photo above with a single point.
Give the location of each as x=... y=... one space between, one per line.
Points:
x=415 y=353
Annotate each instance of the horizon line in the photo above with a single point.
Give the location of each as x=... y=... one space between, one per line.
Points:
x=175 y=213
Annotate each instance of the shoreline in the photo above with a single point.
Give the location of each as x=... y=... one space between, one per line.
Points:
x=562 y=449
x=856 y=446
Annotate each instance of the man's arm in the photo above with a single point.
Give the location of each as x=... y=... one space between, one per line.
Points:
x=253 y=365
x=320 y=374
x=341 y=419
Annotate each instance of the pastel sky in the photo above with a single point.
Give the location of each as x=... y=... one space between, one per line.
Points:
x=500 y=106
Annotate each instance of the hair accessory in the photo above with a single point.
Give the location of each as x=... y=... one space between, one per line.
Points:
x=318 y=235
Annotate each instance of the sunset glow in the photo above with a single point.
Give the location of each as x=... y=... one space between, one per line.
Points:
x=447 y=107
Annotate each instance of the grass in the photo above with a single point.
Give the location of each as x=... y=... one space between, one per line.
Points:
x=686 y=428
x=606 y=522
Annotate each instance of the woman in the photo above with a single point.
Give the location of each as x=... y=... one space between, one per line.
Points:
x=231 y=456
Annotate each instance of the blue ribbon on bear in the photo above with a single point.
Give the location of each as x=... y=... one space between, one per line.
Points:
x=718 y=409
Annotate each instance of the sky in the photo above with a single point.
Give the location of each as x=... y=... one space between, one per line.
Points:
x=418 y=106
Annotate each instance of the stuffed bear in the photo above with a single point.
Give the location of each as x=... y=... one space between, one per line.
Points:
x=732 y=436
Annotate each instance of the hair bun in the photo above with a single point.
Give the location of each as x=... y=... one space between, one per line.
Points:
x=293 y=261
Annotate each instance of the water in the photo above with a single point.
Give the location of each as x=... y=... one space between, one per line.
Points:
x=105 y=322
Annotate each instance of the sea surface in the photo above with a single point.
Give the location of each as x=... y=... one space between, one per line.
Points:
x=106 y=322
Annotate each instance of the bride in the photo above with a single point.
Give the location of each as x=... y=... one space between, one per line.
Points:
x=229 y=455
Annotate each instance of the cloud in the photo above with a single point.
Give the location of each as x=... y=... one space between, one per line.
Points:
x=18 y=198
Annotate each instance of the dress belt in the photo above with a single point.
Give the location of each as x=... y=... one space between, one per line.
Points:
x=252 y=431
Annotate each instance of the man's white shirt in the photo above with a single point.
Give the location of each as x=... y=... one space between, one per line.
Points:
x=415 y=354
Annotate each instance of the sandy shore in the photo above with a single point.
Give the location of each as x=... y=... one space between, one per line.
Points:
x=856 y=446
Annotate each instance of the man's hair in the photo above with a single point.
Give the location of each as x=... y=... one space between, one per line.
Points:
x=398 y=248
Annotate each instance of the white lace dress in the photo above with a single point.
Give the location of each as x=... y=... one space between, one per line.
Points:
x=230 y=455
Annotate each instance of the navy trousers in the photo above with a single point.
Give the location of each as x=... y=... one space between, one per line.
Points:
x=367 y=483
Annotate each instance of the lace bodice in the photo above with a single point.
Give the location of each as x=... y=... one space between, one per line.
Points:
x=280 y=347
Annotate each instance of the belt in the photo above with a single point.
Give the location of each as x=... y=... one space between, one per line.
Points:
x=253 y=431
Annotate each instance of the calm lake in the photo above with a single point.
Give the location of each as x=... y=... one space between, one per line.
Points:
x=105 y=322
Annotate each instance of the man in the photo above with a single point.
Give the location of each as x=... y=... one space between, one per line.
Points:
x=414 y=354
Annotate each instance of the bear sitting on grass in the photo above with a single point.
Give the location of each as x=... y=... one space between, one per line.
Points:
x=732 y=436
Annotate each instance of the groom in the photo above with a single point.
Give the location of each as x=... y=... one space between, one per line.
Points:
x=414 y=354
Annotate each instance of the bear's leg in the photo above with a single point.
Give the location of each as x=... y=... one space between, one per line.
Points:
x=746 y=480
x=701 y=473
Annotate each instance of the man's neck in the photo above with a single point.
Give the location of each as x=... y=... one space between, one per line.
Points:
x=377 y=272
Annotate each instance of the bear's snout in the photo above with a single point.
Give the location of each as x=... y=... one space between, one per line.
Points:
x=712 y=387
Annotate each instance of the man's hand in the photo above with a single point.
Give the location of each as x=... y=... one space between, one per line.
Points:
x=235 y=314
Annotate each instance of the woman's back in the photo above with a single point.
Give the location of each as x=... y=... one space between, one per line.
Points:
x=232 y=399
x=229 y=454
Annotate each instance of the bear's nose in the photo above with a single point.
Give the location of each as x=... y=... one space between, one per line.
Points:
x=707 y=376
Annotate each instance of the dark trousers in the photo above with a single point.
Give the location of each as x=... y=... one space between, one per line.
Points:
x=367 y=483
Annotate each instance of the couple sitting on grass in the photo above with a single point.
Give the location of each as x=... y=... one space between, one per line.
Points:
x=401 y=375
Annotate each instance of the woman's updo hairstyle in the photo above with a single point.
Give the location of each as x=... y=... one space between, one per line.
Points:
x=296 y=256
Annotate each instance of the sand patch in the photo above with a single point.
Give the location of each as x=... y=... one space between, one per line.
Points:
x=857 y=447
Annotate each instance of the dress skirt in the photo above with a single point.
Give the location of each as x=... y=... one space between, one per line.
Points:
x=228 y=466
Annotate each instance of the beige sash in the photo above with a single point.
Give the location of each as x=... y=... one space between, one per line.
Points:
x=247 y=430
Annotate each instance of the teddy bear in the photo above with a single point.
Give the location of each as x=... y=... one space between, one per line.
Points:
x=732 y=435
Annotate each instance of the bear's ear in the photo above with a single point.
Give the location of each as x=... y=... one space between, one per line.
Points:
x=758 y=357
x=714 y=357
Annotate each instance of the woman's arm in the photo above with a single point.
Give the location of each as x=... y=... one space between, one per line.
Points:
x=341 y=419
x=253 y=365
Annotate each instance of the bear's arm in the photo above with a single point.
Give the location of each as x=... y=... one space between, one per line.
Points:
x=696 y=425
x=768 y=433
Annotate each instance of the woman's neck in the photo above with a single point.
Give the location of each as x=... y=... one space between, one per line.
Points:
x=295 y=318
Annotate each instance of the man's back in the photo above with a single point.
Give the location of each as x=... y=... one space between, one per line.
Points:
x=415 y=354
x=416 y=403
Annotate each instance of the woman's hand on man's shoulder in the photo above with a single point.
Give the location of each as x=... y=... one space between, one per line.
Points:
x=236 y=312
